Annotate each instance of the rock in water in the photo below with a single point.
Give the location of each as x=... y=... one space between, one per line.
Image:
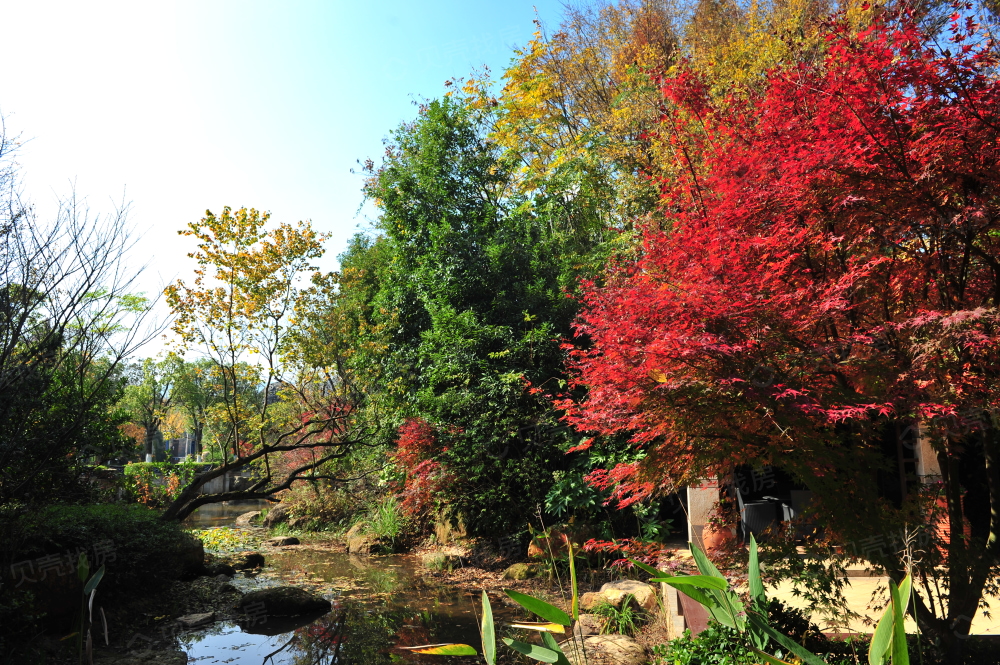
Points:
x=281 y=601
x=192 y=620
x=247 y=560
x=281 y=541
x=357 y=541
x=248 y=519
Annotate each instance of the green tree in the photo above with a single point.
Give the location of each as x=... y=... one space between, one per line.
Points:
x=68 y=320
x=149 y=395
x=239 y=313
x=469 y=290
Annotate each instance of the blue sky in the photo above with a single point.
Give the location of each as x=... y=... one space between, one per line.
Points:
x=181 y=106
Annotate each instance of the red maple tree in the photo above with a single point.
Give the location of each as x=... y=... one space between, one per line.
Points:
x=827 y=271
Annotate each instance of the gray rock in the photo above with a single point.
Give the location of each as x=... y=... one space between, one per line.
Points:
x=613 y=593
x=276 y=515
x=587 y=625
x=281 y=601
x=192 y=620
x=604 y=650
x=219 y=568
x=281 y=541
x=441 y=561
x=189 y=554
x=248 y=560
x=248 y=519
x=358 y=542
x=519 y=571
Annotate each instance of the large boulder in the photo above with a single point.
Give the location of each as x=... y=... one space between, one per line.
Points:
x=281 y=601
x=614 y=593
x=276 y=515
x=587 y=625
x=248 y=560
x=520 y=571
x=189 y=555
x=359 y=542
x=441 y=561
x=604 y=650
x=248 y=519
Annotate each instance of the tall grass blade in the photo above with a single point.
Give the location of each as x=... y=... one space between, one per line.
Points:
x=575 y=605
x=753 y=572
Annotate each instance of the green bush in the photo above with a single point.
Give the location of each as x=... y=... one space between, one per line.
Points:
x=131 y=541
x=156 y=484
x=624 y=620
x=386 y=520
x=716 y=645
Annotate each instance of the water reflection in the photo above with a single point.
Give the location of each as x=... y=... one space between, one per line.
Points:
x=223 y=513
x=380 y=603
x=353 y=633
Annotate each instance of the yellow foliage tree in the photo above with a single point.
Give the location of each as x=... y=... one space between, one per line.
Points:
x=241 y=306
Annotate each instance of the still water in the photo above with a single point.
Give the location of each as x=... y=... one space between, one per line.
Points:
x=222 y=514
x=380 y=603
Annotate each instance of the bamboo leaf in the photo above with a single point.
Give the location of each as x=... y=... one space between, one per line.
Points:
x=82 y=567
x=649 y=569
x=443 y=649
x=768 y=659
x=489 y=634
x=551 y=643
x=539 y=607
x=532 y=651
x=704 y=565
x=807 y=657
x=753 y=571
x=699 y=581
x=541 y=626
x=900 y=654
x=881 y=638
x=94 y=581
x=575 y=604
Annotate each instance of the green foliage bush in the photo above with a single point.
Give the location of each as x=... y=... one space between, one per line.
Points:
x=138 y=546
x=716 y=645
x=386 y=520
x=624 y=620
x=156 y=484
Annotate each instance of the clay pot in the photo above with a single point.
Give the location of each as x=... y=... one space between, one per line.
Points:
x=714 y=537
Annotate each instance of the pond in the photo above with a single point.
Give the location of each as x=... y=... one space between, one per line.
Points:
x=223 y=513
x=380 y=603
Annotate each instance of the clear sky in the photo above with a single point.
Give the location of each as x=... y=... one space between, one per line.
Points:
x=180 y=106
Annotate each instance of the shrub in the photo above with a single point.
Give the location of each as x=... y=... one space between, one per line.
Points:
x=716 y=645
x=131 y=541
x=156 y=484
x=624 y=620
x=386 y=520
